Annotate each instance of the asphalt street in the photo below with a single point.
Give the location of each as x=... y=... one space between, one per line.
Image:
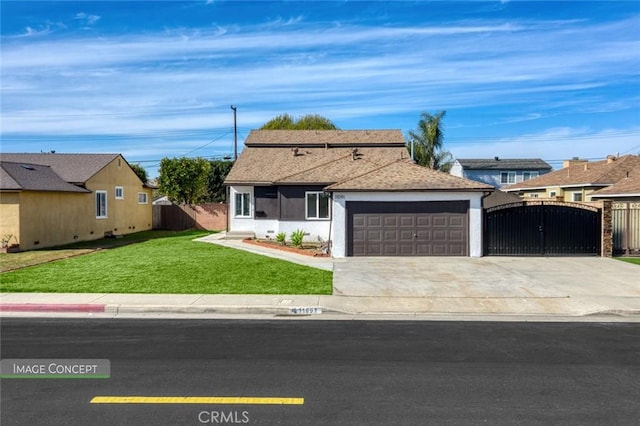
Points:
x=335 y=372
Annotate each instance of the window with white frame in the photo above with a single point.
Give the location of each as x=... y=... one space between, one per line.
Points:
x=553 y=194
x=243 y=204
x=576 y=196
x=529 y=175
x=507 y=177
x=533 y=195
x=317 y=205
x=101 y=204
x=119 y=193
x=142 y=198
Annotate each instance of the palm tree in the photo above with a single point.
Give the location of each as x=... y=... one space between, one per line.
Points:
x=427 y=141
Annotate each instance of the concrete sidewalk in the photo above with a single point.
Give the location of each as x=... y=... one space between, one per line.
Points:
x=18 y=304
x=513 y=288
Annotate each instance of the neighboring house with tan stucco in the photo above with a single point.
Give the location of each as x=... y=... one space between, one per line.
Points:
x=357 y=188
x=52 y=199
x=579 y=180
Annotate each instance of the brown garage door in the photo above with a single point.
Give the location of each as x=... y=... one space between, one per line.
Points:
x=434 y=228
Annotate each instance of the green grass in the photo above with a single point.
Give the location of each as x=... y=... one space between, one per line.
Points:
x=173 y=264
x=11 y=261
x=635 y=260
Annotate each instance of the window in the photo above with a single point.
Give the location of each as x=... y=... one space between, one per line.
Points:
x=576 y=196
x=101 y=204
x=508 y=177
x=142 y=198
x=533 y=195
x=529 y=175
x=317 y=205
x=119 y=193
x=553 y=194
x=243 y=204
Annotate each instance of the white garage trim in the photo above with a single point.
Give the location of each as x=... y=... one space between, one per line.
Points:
x=339 y=227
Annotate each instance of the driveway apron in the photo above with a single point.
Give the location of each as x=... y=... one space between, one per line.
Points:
x=495 y=277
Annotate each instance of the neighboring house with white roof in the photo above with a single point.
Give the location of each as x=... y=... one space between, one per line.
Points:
x=54 y=199
x=499 y=172
x=357 y=188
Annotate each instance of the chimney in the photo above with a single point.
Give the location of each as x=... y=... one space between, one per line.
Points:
x=295 y=151
x=354 y=153
x=496 y=158
x=611 y=159
x=573 y=162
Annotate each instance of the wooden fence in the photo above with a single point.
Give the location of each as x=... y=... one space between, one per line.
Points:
x=210 y=217
x=626 y=228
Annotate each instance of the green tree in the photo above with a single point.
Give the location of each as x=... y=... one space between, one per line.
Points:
x=306 y=122
x=184 y=180
x=217 y=175
x=427 y=141
x=140 y=171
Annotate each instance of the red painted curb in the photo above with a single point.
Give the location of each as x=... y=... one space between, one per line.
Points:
x=50 y=307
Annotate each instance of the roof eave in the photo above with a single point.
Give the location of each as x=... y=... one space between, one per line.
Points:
x=623 y=194
x=329 y=189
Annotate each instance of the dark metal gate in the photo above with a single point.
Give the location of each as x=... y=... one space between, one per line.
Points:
x=542 y=229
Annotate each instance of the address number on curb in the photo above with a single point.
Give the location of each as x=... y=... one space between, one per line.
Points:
x=305 y=310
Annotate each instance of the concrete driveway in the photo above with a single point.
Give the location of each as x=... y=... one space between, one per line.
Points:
x=491 y=277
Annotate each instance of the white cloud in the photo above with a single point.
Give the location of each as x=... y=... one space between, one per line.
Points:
x=86 y=18
x=182 y=80
x=555 y=145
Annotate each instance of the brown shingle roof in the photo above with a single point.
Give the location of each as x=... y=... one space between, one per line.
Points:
x=33 y=177
x=628 y=186
x=597 y=173
x=324 y=137
x=73 y=168
x=380 y=162
x=404 y=175
x=269 y=163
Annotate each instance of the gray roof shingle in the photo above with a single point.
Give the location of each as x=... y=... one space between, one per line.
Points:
x=504 y=164
x=72 y=168
x=33 y=177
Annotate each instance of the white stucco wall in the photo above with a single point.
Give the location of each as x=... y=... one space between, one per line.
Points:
x=339 y=231
x=456 y=169
x=240 y=224
x=270 y=228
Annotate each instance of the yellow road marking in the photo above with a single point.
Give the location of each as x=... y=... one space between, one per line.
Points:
x=195 y=400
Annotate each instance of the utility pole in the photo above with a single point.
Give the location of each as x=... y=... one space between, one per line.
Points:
x=235 y=134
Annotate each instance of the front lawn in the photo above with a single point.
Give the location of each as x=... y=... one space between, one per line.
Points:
x=174 y=264
x=635 y=260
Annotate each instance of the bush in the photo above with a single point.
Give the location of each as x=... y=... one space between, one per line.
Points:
x=297 y=237
x=281 y=237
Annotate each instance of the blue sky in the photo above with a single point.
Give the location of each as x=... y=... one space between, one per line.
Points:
x=150 y=80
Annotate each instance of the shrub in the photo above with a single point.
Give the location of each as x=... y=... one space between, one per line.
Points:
x=296 y=237
x=281 y=237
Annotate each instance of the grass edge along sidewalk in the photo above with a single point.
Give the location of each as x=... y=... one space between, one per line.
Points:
x=173 y=264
